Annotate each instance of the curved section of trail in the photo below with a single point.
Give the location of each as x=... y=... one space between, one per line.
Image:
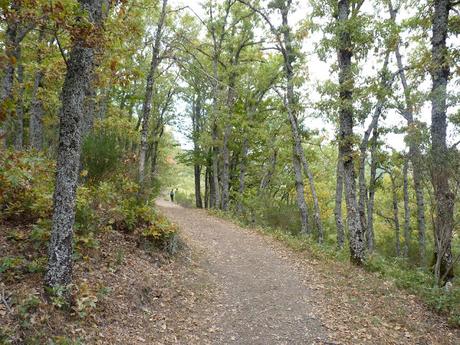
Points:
x=258 y=291
x=260 y=298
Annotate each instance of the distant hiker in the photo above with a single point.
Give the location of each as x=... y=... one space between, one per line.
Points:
x=171 y=195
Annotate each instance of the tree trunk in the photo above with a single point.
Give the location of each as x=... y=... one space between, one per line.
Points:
x=206 y=187
x=147 y=105
x=414 y=152
x=441 y=172
x=242 y=174
x=19 y=130
x=215 y=195
x=79 y=70
x=225 y=173
x=407 y=231
x=396 y=215
x=417 y=175
x=383 y=84
x=299 y=160
x=338 y=203
x=12 y=52
x=370 y=203
x=270 y=171
x=36 y=105
x=356 y=238
x=299 y=187
x=198 y=200
x=154 y=165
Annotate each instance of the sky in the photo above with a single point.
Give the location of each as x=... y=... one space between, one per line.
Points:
x=318 y=72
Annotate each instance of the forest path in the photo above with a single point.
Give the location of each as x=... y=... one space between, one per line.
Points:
x=265 y=293
x=260 y=298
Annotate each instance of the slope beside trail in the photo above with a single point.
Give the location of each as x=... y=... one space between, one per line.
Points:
x=265 y=293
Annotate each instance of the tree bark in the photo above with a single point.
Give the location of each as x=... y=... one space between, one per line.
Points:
x=242 y=174
x=338 y=203
x=147 y=105
x=440 y=171
x=206 y=187
x=383 y=84
x=79 y=70
x=345 y=52
x=299 y=187
x=414 y=151
x=14 y=34
x=396 y=215
x=36 y=105
x=407 y=230
x=372 y=185
x=299 y=160
x=214 y=191
x=19 y=130
x=197 y=172
x=196 y=127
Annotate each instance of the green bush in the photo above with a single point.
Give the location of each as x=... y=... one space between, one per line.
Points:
x=26 y=185
x=183 y=199
x=101 y=156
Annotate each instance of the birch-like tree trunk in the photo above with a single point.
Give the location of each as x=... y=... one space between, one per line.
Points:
x=79 y=70
x=440 y=171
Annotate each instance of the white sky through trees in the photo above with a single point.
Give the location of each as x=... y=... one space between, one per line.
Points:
x=319 y=71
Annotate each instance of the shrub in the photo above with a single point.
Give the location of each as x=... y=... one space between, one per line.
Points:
x=101 y=156
x=26 y=185
x=160 y=233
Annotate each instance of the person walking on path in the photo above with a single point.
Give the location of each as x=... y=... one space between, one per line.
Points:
x=171 y=195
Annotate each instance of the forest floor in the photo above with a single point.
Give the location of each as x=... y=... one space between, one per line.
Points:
x=227 y=285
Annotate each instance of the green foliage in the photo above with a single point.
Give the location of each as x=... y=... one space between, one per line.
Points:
x=9 y=263
x=419 y=282
x=101 y=155
x=160 y=233
x=184 y=199
x=26 y=185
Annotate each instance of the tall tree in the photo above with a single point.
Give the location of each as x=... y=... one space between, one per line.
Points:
x=415 y=154
x=80 y=68
x=147 y=105
x=440 y=173
x=346 y=120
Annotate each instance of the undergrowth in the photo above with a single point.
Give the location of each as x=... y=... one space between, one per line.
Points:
x=103 y=205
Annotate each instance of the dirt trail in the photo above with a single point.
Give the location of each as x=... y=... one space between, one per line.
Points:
x=264 y=293
x=260 y=299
